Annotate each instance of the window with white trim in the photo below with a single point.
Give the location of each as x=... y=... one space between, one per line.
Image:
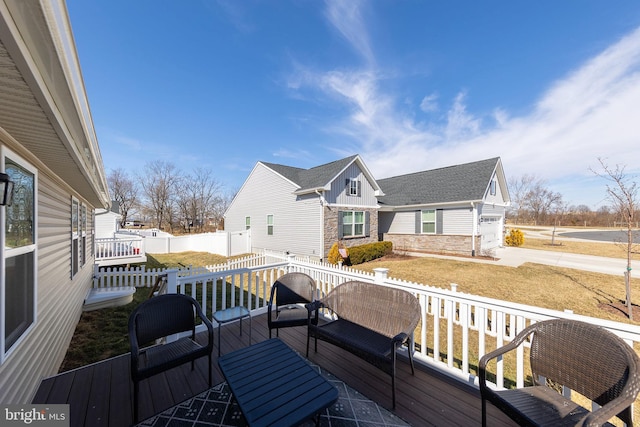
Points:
x=429 y=221
x=353 y=187
x=18 y=293
x=270 y=225
x=247 y=222
x=75 y=227
x=492 y=187
x=83 y=235
x=352 y=223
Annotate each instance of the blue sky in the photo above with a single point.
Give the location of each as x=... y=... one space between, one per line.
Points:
x=549 y=86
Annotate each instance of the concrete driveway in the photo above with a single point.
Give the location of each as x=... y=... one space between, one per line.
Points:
x=515 y=257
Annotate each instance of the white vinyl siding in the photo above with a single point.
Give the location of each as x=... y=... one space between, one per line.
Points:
x=298 y=219
x=59 y=299
x=457 y=221
x=403 y=222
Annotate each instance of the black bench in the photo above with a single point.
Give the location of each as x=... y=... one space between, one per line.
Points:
x=373 y=321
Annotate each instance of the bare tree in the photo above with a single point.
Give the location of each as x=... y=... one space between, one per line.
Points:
x=623 y=193
x=159 y=180
x=197 y=199
x=518 y=189
x=124 y=191
x=541 y=201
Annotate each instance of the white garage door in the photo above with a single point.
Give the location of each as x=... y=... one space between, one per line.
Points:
x=490 y=232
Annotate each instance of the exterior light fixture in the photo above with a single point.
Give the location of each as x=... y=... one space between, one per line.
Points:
x=6 y=189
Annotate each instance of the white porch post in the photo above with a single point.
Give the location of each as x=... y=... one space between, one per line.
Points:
x=172 y=281
x=381 y=275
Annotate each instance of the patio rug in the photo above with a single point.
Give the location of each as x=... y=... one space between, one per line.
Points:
x=217 y=407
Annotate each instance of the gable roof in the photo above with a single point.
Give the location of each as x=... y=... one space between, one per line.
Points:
x=460 y=183
x=319 y=177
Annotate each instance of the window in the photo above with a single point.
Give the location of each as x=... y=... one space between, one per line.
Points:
x=353 y=187
x=75 y=232
x=83 y=235
x=247 y=222
x=492 y=187
x=429 y=221
x=19 y=279
x=352 y=223
x=270 y=225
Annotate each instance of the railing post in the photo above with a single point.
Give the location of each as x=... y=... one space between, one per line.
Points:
x=290 y=259
x=381 y=275
x=454 y=287
x=172 y=281
x=96 y=271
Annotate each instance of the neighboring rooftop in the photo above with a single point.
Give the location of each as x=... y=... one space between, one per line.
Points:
x=466 y=182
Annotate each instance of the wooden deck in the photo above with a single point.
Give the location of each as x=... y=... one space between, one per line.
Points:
x=101 y=394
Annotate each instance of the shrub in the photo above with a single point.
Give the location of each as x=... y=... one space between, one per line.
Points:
x=333 y=257
x=369 y=252
x=514 y=238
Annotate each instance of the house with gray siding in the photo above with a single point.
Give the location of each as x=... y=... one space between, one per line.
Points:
x=458 y=209
x=305 y=211
x=49 y=149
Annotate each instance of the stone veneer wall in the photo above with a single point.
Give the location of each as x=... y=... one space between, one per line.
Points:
x=435 y=243
x=331 y=229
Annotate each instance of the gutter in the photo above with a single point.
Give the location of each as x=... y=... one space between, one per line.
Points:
x=323 y=203
x=474 y=229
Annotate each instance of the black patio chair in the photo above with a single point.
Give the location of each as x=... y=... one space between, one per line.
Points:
x=157 y=318
x=585 y=358
x=286 y=304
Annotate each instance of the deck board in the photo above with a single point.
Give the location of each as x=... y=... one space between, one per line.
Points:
x=101 y=394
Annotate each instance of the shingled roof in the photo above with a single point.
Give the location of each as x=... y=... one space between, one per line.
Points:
x=466 y=182
x=316 y=177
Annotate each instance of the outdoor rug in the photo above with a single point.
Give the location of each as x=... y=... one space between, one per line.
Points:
x=217 y=407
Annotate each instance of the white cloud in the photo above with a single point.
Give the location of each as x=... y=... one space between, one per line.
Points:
x=592 y=112
x=346 y=18
x=429 y=103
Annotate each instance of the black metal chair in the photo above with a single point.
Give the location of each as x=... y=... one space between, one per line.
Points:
x=159 y=317
x=585 y=358
x=286 y=304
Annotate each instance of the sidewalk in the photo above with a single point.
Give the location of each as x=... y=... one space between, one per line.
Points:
x=514 y=257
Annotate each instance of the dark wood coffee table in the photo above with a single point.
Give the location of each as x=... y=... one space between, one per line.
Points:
x=275 y=386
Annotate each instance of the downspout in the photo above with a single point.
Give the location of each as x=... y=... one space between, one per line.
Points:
x=474 y=229
x=323 y=203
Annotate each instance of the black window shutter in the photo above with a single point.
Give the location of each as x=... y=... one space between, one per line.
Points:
x=366 y=223
x=418 y=222
x=439 y=221
x=359 y=188
x=340 y=234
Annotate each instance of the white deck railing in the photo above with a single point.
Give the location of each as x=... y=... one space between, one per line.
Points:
x=118 y=248
x=456 y=328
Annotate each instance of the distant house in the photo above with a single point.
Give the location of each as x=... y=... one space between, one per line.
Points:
x=459 y=209
x=108 y=221
x=49 y=149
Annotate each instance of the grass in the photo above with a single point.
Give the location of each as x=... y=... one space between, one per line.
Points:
x=102 y=334
x=586 y=293
x=611 y=250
